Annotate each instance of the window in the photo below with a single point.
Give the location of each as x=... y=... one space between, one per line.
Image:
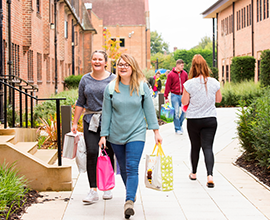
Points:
x=247 y=17
x=48 y=77
x=62 y=70
x=264 y=9
x=15 y=54
x=250 y=14
x=39 y=67
x=244 y=17
x=122 y=43
x=38 y=6
x=66 y=29
x=239 y=14
x=222 y=27
x=53 y=70
x=227 y=73
x=222 y=72
x=259 y=69
x=267 y=9
x=237 y=21
x=113 y=39
x=258 y=12
x=30 y=66
x=242 y=20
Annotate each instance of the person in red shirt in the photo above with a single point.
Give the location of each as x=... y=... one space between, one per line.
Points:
x=174 y=84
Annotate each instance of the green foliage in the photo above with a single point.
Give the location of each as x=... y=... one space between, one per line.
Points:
x=253 y=129
x=242 y=68
x=157 y=43
x=47 y=108
x=12 y=189
x=214 y=71
x=164 y=61
x=205 y=43
x=232 y=93
x=148 y=73
x=265 y=68
x=72 y=82
x=187 y=56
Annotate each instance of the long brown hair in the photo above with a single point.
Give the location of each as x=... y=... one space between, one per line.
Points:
x=198 y=68
x=136 y=76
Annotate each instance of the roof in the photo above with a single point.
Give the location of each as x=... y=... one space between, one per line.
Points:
x=216 y=8
x=121 y=12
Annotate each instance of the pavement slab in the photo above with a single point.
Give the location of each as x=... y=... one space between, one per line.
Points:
x=237 y=195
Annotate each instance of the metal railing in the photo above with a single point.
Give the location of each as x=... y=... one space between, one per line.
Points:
x=12 y=81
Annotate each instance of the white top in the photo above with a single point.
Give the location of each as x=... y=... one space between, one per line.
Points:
x=202 y=101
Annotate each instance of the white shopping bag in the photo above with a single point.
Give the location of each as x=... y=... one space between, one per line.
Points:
x=70 y=144
x=81 y=155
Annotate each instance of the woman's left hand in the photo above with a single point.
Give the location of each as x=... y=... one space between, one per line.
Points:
x=158 y=137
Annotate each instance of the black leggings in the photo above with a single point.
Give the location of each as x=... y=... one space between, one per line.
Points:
x=201 y=133
x=91 y=141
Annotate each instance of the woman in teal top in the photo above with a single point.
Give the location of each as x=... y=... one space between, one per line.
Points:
x=123 y=123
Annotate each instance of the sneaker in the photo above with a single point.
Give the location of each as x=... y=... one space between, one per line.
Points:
x=179 y=132
x=129 y=209
x=91 y=197
x=107 y=195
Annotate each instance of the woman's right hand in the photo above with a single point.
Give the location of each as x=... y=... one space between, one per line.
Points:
x=102 y=142
x=74 y=128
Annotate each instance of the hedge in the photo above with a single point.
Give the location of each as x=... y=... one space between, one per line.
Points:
x=265 y=68
x=242 y=68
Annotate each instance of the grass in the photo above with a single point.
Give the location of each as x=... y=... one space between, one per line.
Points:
x=12 y=189
x=241 y=88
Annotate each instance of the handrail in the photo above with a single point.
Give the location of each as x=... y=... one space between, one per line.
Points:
x=26 y=113
x=20 y=79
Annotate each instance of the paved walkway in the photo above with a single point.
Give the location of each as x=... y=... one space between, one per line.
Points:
x=237 y=195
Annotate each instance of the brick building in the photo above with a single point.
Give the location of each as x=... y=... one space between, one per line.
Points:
x=127 y=21
x=243 y=29
x=33 y=41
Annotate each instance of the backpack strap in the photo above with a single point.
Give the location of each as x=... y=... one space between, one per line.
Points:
x=142 y=92
x=111 y=88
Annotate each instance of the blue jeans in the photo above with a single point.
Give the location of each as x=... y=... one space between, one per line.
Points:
x=128 y=157
x=176 y=104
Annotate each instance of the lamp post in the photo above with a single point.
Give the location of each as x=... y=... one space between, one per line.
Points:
x=55 y=46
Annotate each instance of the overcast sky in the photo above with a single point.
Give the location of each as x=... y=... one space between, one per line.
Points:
x=180 y=22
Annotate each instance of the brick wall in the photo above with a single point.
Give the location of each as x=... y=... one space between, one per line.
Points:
x=243 y=34
x=31 y=33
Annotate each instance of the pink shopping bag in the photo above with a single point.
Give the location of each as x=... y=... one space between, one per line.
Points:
x=105 y=174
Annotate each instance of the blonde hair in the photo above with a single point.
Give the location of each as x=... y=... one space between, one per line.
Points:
x=199 y=67
x=136 y=76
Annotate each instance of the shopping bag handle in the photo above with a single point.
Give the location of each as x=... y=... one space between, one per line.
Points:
x=159 y=150
x=103 y=149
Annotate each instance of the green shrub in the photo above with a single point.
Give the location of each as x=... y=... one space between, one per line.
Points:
x=242 y=68
x=47 y=108
x=253 y=130
x=265 y=68
x=12 y=189
x=148 y=73
x=214 y=71
x=232 y=93
x=72 y=82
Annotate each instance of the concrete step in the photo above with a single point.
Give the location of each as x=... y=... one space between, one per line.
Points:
x=6 y=138
x=7 y=131
x=49 y=156
x=27 y=147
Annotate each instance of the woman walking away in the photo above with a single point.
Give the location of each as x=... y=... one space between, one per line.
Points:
x=201 y=92
x=123 y=123
x=91 y=89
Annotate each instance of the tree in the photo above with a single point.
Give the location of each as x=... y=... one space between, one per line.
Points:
x=205 y=43
x=157 y=43
x=164 y=61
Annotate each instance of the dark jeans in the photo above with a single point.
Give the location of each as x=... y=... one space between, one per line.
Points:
x=91 y=141
x=128 y=157
x=201 y=134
